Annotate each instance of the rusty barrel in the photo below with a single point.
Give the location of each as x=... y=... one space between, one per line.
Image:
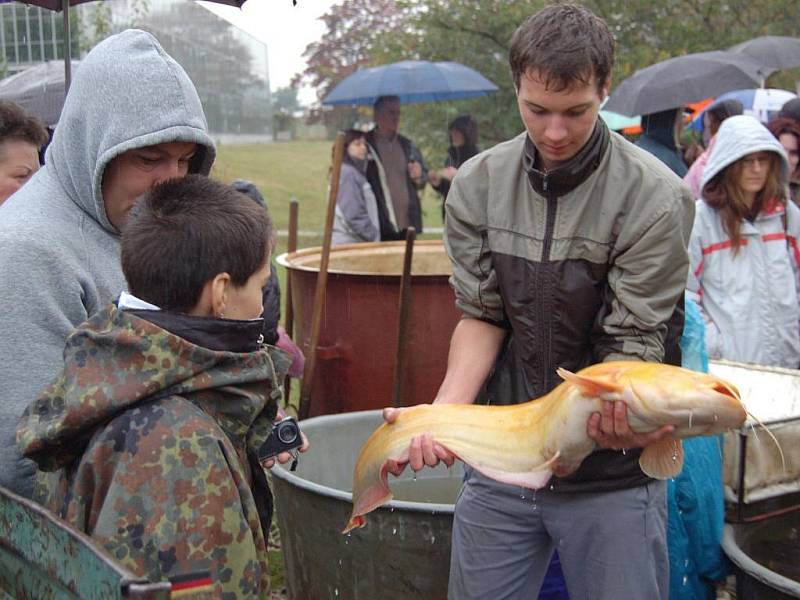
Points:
x=357 y=346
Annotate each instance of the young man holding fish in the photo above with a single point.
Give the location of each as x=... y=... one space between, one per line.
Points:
x=569 y=248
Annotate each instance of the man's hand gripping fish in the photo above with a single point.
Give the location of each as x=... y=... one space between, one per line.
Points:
x=526 y=444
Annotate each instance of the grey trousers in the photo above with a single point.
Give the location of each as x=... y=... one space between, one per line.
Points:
x=612 y=545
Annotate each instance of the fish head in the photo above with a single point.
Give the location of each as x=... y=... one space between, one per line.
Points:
x=656 y=394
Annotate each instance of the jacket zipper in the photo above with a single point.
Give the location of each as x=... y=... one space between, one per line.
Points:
x=544 y=306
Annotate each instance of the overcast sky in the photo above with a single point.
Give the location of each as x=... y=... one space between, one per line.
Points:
x=286 y=29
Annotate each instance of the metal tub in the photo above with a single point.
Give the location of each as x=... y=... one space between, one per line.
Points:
x=357 y=346
x=403 y=552
x=766 y=557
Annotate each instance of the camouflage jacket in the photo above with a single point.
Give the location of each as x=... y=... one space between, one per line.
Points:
x=147 y=442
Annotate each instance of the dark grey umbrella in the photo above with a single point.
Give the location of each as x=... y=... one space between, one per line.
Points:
x=678 y=81
x=40 y=90
x=774 y=52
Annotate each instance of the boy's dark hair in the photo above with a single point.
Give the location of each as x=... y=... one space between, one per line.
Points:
x=186 y=231
x=566 y=44
x=16 y=124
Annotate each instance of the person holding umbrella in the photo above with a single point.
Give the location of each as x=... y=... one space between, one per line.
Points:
x=132 y=119
x=713 y=117
x=463 y=132
x=787 y=132
x=743 y=249
x=396 y=171
x=661 y=132
x=568 y=246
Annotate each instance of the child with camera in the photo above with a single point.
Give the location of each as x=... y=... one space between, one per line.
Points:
x=149 y=439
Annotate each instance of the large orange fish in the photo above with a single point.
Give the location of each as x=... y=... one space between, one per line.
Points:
x=526 y=444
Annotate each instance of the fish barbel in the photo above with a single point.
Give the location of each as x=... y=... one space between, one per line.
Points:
x=525 y=444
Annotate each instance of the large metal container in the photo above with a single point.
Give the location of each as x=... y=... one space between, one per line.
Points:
x=402 y=553
x=765 y=557
x=357 y=346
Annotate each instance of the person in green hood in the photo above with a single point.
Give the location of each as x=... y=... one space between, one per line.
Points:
x=148 y=439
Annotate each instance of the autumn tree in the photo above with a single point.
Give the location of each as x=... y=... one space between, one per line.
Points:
x=477 y=33
x=355 y=31
x=235 y=98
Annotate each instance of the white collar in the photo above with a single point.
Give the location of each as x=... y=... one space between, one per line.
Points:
x=130 y=302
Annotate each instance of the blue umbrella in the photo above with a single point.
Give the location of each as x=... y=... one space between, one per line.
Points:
x=412 y=81
x=762 y=103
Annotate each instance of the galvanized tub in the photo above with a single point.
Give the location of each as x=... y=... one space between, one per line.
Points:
x=402 y=553
x=766 y=557
x=357 y=346
x=757 y=475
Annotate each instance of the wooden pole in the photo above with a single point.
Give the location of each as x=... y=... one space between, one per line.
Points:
x=322 y=281
x=67 y=47
x=402 y=323
x=291 y=246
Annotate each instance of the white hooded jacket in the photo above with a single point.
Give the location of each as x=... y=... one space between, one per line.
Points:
x=750 y=299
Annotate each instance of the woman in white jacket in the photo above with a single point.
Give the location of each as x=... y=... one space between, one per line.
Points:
x=743 y=250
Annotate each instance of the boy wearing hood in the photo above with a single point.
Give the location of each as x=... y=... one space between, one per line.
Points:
x=132 y=118
x=148 y=439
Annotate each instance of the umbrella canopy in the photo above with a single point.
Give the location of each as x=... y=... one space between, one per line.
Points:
x=761 y=103
x=615 y=121
x=412 y=81
x=39 y=90
x=774 y=52
x=63 y=5
x=678 y=81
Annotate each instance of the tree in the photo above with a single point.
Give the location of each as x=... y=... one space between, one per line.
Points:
x=354 y=33
x=284 y=107
x=218 y=63
x=477 y=33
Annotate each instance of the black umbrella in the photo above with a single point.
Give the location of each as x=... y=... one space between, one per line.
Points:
x=677 y=81
x=63 y=5
x=774 y=52
x=40 y=90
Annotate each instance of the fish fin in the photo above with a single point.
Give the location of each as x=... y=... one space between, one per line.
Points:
x=663 y=459
x=591 y=386
x=534 y=479
x=377 y=494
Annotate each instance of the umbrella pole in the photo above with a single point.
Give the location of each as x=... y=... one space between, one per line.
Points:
x=402 y=326
x=289 y=318
x=67 y=47
x=322 y=281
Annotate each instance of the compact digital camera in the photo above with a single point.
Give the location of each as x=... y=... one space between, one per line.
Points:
x=285 y=436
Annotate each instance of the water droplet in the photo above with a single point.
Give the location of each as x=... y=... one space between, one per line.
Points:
x=716 y=417
x=433 y=539
x=624 y=451
x=391 y=509
x=690 y=419
x=686 y=563
x=415 y=475
x=336 y=591
x=552 y=487
x=685 y=580
x=394 y=530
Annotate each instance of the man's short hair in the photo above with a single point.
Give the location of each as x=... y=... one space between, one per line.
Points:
x=383 y=101
x=566 y=44
x=16 y=124
x=184 y=232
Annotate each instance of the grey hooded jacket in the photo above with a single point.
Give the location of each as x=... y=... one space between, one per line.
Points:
x=59 y=257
